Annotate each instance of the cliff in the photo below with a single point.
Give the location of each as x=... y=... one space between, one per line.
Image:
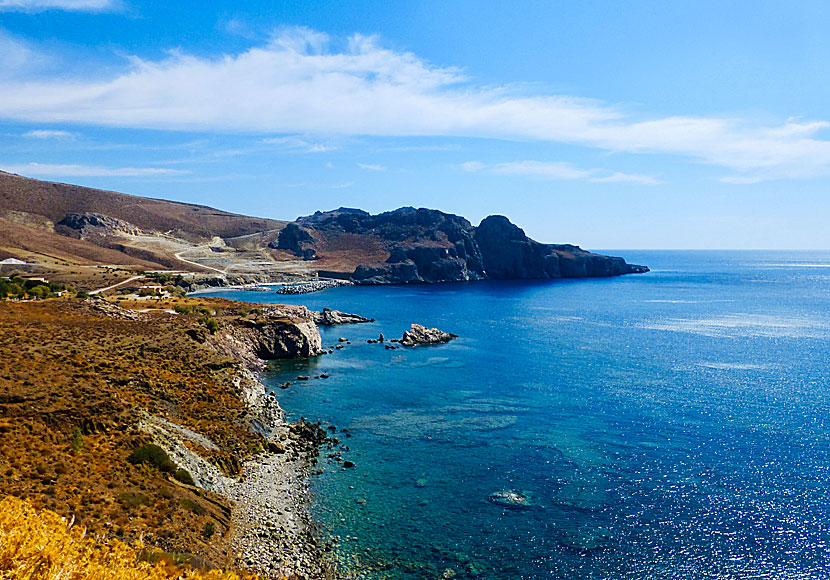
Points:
x=426 y=245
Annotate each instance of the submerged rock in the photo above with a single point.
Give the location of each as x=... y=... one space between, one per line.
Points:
x=510 y=498
x=419 y=334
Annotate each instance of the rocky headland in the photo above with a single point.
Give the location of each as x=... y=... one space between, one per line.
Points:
x=427 y=246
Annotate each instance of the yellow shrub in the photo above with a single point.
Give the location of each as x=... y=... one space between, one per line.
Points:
x=39 y=545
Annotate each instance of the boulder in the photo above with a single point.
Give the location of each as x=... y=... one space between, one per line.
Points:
x=329 y=317
x=418 y=335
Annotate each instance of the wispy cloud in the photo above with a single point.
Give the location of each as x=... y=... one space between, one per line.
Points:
x=296 y=84
x=58 y=170
x=50 y=134
x=472 y=166
x=558 y=170
x=298 y=144
x=371 y=167
x=68 y=5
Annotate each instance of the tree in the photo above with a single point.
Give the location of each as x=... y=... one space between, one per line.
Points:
x=40 y=292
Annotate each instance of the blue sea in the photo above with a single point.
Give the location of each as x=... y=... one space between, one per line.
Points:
x=674 y=424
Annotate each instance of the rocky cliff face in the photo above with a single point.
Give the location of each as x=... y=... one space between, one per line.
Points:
x=81 y=225
x=431 y=246
x=276 y=332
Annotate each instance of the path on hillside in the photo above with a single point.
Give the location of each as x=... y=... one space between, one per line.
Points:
x=178 y=256
x=127 y=281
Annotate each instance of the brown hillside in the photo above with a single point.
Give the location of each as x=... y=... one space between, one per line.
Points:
x=42 y=246
x=74 y=384
x=55 y=200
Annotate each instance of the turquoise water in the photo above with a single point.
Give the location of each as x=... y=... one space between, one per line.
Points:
x=667 y=425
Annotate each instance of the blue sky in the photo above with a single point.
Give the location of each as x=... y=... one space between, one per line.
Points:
x=607 y=124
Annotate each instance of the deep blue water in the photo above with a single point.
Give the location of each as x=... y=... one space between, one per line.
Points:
x=667 y=425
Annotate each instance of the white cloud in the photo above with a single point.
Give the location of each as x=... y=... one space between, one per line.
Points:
x=559 y=170
x=50 y=134
x=296 y=84
x=69 y=5
x=472 y=166
x=299 y=144
x=371 y=167
x=15 y=56
x=58 y=170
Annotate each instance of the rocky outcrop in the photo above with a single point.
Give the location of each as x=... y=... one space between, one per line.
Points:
x=329 y=317
x=419 y=335
x=427 y=245
x=81 y=225
x=296 y=240
x=509 y=254
x=273 y=333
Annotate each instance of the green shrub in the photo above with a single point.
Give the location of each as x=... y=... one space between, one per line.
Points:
x=208 y=530
x=193 y=506
x=209 y=323
x=184 y=476
x=133 y=500
x=77 y=442
x=154 y=456
x=82 y=295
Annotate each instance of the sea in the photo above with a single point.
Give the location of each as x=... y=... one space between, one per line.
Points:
x=668 y=425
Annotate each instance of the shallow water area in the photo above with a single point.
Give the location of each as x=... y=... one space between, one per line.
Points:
x=666 y=425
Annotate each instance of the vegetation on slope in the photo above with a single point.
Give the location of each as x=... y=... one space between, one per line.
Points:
x=75 y=384
x=41 y=545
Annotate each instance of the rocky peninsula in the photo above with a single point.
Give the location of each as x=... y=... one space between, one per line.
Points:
x=428 y=246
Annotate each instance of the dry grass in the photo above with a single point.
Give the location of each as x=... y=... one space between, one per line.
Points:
x=39 y=545
x=72 y=386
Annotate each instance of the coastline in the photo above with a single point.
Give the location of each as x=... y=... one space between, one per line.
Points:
x=89 y=383
x=272 y=532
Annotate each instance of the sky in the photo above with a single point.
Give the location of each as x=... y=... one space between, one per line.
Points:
x=612 y=125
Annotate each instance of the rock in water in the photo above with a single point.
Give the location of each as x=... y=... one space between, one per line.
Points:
x=510 y=498
x=419 y=334
x=329 y=317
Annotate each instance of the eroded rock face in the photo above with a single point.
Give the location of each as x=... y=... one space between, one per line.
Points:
x=85 y=224
x=419 y=334
x=297 y=240
x=277 y=332
x=509 y=254
x=329 y=317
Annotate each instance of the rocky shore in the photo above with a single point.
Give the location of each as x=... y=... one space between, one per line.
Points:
x=273 y=534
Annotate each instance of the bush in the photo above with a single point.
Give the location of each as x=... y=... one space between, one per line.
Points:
x=210 y=324
x=184 y=476
x=208 y=530
x=82 y=295
x=154 y=456
x=133 y=500
x=77 y=441
x=38 y=544
x=193 y=506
